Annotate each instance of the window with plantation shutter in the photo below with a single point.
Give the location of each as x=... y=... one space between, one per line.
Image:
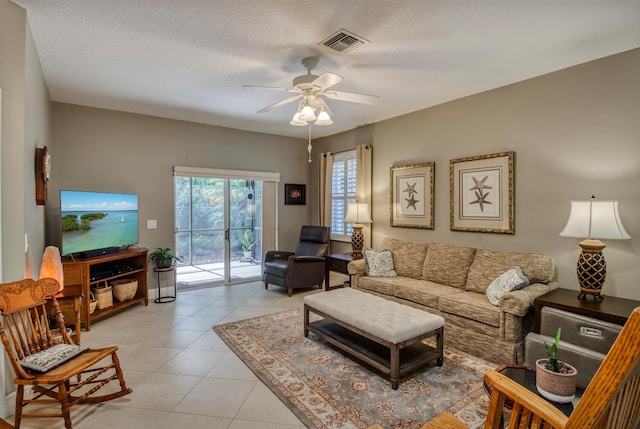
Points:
x=343 y=192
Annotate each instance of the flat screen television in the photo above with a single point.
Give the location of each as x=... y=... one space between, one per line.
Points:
x=94 y=221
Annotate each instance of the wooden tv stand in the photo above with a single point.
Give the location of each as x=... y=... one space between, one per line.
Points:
x=90 y=272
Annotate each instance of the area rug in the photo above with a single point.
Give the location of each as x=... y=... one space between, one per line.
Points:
x=327 y=389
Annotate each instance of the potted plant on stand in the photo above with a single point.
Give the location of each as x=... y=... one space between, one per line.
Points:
x=555 y=380
x=162 y=257
x=247 y=244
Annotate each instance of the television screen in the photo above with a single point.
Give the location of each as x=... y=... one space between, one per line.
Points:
x=97 y=220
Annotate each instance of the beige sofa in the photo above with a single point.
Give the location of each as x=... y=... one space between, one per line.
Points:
x=451 y=281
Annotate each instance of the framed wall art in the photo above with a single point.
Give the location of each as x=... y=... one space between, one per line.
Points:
x=295 y=194
x=412 y=195
x=482 y=190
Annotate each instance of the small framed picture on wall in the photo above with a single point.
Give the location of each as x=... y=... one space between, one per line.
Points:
x=481 y=190
x=412 y=189
x=295 y=194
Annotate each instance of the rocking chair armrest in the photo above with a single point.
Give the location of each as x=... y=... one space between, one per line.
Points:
x=503 y=387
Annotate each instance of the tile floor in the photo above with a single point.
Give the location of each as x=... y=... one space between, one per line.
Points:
x=182 y=374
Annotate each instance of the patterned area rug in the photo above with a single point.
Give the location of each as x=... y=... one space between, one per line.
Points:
x=327 y=389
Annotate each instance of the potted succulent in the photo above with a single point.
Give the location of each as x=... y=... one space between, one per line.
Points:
x=247 y=243
x=555 y=380
x=162 y=257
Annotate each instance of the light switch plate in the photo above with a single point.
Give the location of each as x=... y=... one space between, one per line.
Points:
x=152 y=224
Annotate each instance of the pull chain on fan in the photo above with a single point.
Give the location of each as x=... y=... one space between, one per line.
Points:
x=309 y=146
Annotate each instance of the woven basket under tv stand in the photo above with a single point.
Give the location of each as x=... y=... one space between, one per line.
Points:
x=91 y=272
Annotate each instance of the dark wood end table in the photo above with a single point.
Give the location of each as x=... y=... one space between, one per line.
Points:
x=337 y=262
x=611 y=309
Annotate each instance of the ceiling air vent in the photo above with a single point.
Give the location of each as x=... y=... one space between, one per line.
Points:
x=344 y=41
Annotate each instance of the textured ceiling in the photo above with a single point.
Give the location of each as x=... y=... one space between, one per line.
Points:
x=188 y=59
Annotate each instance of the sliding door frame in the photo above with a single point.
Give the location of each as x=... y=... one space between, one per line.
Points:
x=269 y=213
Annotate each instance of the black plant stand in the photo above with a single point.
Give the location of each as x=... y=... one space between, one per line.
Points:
x=165 y=299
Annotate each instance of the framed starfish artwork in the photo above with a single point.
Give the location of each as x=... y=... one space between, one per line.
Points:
x=482 y=193
x=412 y=195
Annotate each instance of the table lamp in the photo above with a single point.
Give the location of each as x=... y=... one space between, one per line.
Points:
x=52 y=266
x=593 y=220
x=359 y=214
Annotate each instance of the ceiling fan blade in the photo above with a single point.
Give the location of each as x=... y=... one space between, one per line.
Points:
x=274 y=88
x=280 y=103
x=327 y=80
x=352 y=97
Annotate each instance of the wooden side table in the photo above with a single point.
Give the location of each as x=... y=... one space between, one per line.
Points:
x=69 y=302
x=612 y=309
x=337 y=262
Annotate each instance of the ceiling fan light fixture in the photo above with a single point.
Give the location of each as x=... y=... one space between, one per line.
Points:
x=297 y=122
x=307 y=113
x=323 y=118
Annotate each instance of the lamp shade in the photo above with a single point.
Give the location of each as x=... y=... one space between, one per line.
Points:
x=307 y=113
x=358 y=213
x=324 y=118
x=296 y=121
x=52 y=266
x=595 y=220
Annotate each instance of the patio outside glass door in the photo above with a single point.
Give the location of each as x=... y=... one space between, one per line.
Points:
x=218 y=230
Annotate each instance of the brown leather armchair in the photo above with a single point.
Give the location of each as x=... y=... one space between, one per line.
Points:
x=303 y=268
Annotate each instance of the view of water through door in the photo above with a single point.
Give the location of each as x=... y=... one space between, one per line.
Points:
x=218 y=231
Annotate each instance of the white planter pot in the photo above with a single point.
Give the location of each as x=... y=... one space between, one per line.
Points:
x=556 y=387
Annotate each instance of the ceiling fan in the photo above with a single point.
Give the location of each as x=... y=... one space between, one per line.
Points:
x=310 y=89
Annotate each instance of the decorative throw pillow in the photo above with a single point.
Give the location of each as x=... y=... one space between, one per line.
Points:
x=512 y=279
x=52 y=357
x=379 y=263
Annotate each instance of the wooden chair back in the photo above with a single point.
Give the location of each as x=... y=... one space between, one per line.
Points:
x=25 y=327
x=612 y=399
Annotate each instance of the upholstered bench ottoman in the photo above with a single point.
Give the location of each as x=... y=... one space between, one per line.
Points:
x=378 y=332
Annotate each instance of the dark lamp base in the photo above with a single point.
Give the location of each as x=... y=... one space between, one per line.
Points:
x=357 y=241
x=591 y=269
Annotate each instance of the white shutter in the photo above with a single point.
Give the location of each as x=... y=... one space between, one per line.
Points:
x=343 y=192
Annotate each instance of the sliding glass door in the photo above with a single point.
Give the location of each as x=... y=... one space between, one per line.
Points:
x=245 y=229
x=218 y=230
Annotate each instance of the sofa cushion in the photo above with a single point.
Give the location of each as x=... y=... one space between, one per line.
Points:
x=422 y=292
x=381 y=285
x=512 y=279
x=447 y=264
x=470 y=305
x=488 y=265
x=408 y=257
x=379 y=263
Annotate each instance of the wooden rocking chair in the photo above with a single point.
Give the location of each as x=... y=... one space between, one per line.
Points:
x=27 y=337
x=610 y=401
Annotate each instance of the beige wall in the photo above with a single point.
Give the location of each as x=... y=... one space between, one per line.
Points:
x=26 y=124
x=110 y=151
x=575 y=132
